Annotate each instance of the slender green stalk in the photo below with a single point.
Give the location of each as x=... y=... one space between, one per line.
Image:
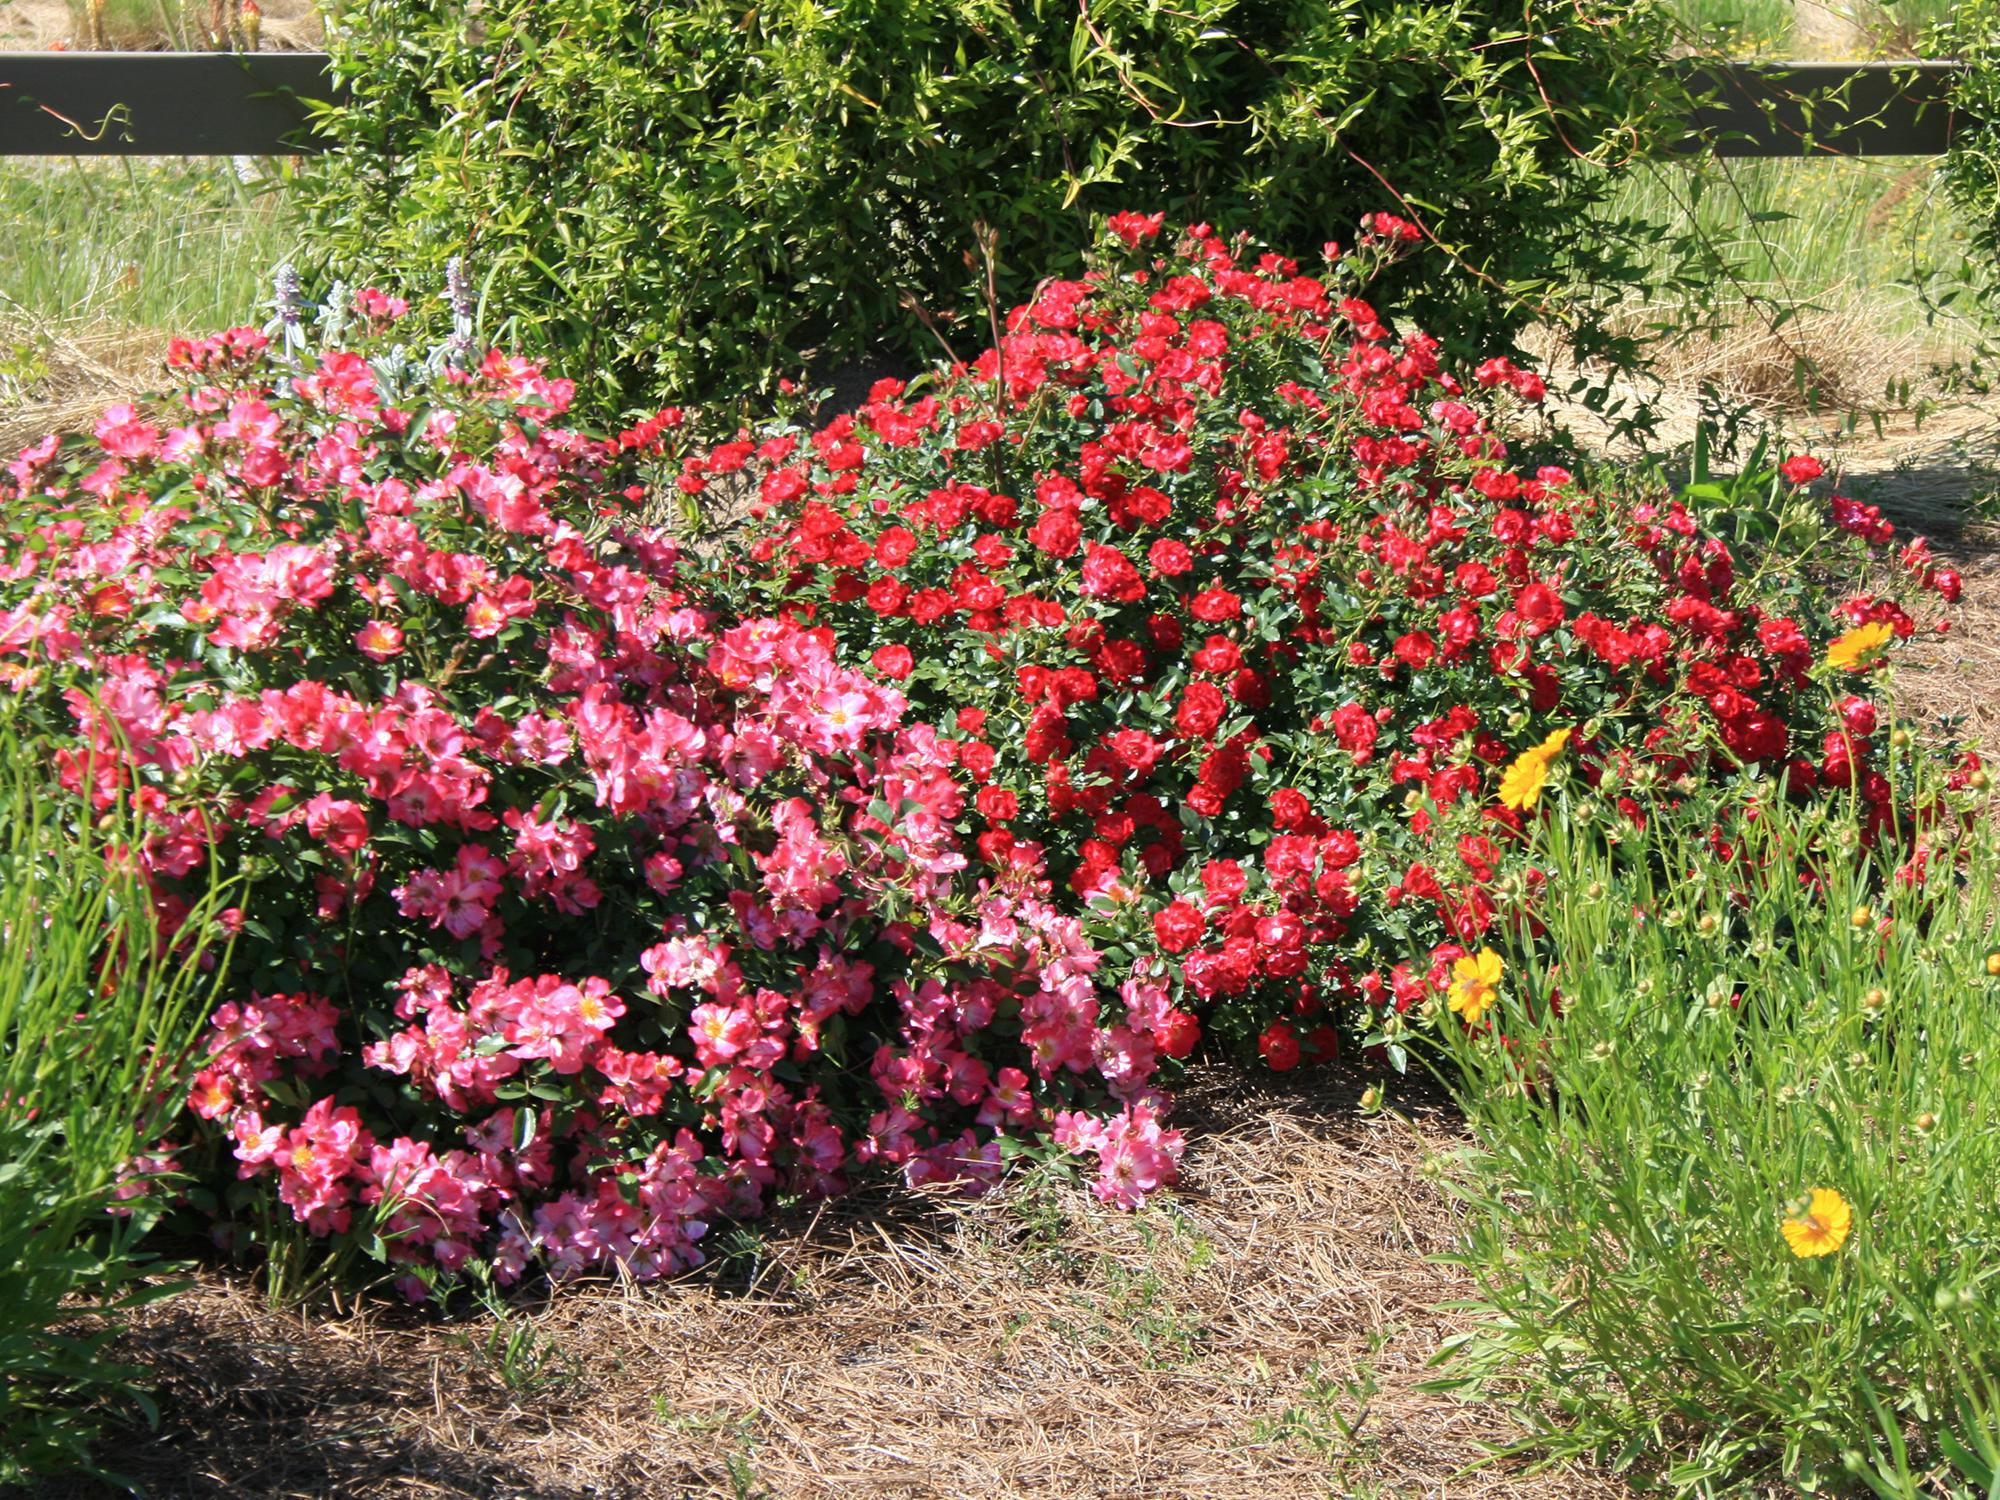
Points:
x=98 y=1020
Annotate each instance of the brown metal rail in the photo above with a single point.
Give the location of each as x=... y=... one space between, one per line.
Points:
x=253 y=104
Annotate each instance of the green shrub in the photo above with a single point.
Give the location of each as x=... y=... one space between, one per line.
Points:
x=1970 y=170
x=1731 y=1048
x=679 y=197
x=87 y=1085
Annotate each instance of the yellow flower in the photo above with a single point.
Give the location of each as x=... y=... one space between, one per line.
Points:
x=1475 y=984
x=1521 y=783
x=1857 y=649
x=1822 y=1228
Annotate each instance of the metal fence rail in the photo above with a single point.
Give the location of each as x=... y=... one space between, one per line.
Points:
x=251 y=104
x=1824 y=109
x=159 y=103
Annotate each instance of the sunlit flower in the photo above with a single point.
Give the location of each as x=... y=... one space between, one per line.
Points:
x=1475 y=984
x=1821 y=1228
x=1522 y=782
x=1857 y=649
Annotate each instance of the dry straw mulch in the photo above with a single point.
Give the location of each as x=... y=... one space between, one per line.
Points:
x=83 y=370
x=1259 y=1334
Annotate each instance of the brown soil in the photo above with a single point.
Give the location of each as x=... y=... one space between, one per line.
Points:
x=1261 y=1333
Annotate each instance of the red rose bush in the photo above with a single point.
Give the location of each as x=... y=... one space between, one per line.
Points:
x=577 y=915
x=1264 y=631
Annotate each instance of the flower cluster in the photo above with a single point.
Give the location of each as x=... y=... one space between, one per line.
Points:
x=1270 y=633
x=578 y=916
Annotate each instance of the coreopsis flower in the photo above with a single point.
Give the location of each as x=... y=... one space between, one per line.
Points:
x=1819 y=1225
x=1475 y=984
x=1522 y=782
x=1856 y=650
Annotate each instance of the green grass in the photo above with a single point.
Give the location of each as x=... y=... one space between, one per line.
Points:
x=1739 y=28
x=167 y=245
x=1728 y=1042
x=1771 y=28
x=1814 y=230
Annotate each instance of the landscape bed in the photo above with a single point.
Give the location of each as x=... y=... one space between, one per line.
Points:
x=1202 y=901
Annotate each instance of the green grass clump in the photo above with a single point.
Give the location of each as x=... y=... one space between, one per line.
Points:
x=1728 y=1041
x=97 y=1029
x=174 y=245
x=1812 y=225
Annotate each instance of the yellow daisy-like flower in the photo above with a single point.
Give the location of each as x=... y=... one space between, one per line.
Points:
x=1475 y=984
x=1857 y=649
x=1823 y=1226
x=1522 y=782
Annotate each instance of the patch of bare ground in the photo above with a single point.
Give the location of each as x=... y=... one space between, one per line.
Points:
x=1261 y=1333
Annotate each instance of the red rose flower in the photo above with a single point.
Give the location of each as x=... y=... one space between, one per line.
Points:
x=997 y=804
x=1214 y=605
x=1280 y=1046
x=1178 y=926
x=894 y=546
x=1177 y=1033
x=1220 y=655
x=1139 y=751
x=1415 y=649
x=1289 y=808
x=1109 y=574
x=893 y=662
x=1057 y=532
x=1201 y=710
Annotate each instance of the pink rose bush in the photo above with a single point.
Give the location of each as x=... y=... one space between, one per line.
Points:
x=579 y=916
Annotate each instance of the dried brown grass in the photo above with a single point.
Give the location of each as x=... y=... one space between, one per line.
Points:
x=78 y=371
x=1029 y=1344
x=1826 y=370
